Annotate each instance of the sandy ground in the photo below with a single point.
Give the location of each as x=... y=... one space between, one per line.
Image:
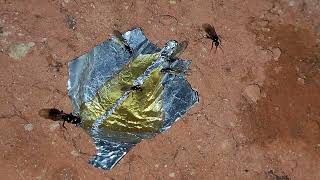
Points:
x=259 y=110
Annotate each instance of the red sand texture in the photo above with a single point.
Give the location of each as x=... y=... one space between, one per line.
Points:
x=258 y=116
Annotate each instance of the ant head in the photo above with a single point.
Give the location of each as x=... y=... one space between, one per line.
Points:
x=78 y=119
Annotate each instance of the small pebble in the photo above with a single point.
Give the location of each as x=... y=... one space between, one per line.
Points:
x=172 y=175
x=262 y=23
x=291 y=3
x=192 y=172
x=172 y=1
x=252 y=93
x=44 y=40
x=75 y=153
x=276 y=53
x=265 y=29
x=300 y=81
x=156 y=165
x=28 y=127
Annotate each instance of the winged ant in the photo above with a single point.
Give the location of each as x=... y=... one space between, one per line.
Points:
x=211 y=34
x=117 y=34
x=58 y=115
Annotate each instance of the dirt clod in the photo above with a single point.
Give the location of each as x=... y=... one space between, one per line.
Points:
x=276 y=53
x=252 y=93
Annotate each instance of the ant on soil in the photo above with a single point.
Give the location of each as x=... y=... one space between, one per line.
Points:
x=58 y=115
x=118 y=36
x=211 y=34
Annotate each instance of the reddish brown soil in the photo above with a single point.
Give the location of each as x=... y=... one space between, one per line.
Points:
x=290 y=110
x=226 y=136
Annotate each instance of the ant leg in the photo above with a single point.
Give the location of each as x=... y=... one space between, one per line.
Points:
x=216 y=50
x=211 y=45
x=220 y=42
x=221 y=48
x=63 y=124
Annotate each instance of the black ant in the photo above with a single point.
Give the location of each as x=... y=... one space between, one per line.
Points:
x=211 y=34
x=117 y=34
x=172 y=71
x=169 y=70
x=166 y=70
x=136 y=88
x=132 y=88
x=58 y=115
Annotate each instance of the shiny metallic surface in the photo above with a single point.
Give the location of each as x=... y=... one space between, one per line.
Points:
x=116 y=115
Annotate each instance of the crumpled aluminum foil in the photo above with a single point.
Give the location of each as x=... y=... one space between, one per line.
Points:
x=116 y=117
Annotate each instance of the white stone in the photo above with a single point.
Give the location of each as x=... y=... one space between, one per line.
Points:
x=28 y=127
x=172 y=1
x=291 y=3
x=172 y=174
